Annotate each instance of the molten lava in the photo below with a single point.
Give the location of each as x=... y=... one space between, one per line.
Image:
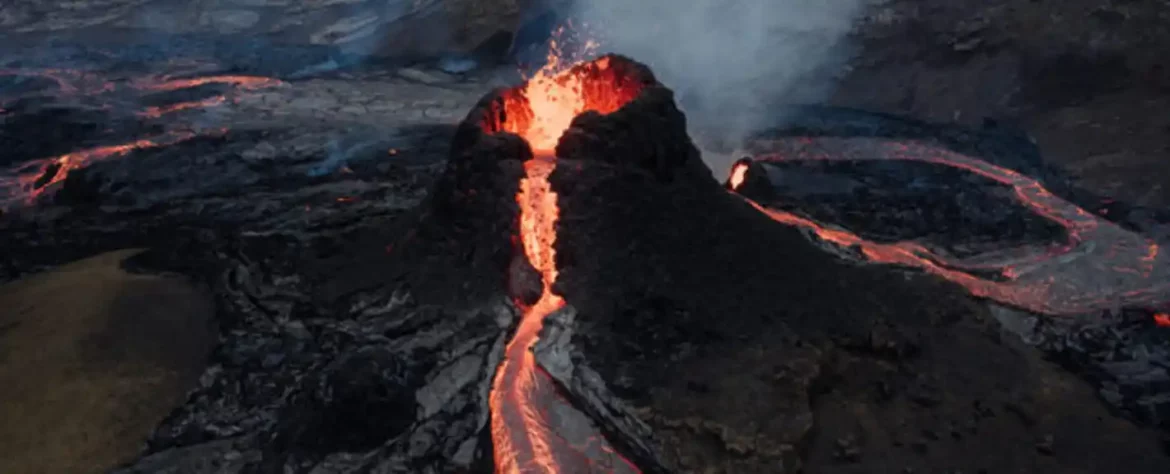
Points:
x=1123 y=268
x=1162 y=319
x=28 y=186
x=516 y=429
x=738 y=173
x=166 y=83
x=522 y=397
x=25 y=182
x=159 y=111
x=547 y=104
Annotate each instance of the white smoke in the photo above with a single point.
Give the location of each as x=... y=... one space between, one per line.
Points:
x=728 y=61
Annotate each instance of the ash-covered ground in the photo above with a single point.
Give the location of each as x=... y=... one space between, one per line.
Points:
x=357 y=334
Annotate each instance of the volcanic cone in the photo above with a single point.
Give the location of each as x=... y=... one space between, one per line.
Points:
x=581 y=197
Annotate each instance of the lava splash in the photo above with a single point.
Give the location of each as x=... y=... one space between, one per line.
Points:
x=523 y=398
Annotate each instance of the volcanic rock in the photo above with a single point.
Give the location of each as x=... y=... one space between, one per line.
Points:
x=355 y=404
x=352 y=279
x=390 y=28
x=712 y=292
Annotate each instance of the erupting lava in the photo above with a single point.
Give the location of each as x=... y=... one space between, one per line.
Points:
x=738 y=174
x=523 y=395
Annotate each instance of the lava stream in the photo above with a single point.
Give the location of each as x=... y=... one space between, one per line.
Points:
x=92 y=83
x=166 y=83
x=527 y=411
x=1101 y=267
x=521 y=444
x=159 y=111
x=27 y=181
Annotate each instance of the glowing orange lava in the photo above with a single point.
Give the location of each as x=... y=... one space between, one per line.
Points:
x=26 y=181
x=163 y=84
x=42 y=174
x=738 y=173
x=75 y=160
x=156 y=112
x=1127 y=269
x=1162 y=319
x=516 y=378
x=522 y=397
x=547 y=104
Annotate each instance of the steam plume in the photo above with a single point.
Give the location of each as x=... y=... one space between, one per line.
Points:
x=729 y=60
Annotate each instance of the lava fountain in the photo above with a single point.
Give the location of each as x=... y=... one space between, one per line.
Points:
x=539 y=112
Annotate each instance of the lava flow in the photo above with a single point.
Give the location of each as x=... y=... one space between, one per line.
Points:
x=25 y=182
x=168 y=84
x=1162 y=319
x=31 y=179
x=1102 y=266
x=524 y=400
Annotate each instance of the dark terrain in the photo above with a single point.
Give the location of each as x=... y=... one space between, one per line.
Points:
x=358 y=246
x=1086 y=78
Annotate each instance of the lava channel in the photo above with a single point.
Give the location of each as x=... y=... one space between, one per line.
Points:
x=1102 y=266
x=525 y=405
x=26 y=182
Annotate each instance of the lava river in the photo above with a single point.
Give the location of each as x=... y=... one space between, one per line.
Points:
x=1101 y=265
x=24 y=182
x=534 y=430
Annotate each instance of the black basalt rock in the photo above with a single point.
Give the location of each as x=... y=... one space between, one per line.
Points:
x=465 y=231
x=648 y=133
x=358 y=402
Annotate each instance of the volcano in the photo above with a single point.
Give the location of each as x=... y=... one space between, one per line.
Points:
x=639 y=283
x=554 y=282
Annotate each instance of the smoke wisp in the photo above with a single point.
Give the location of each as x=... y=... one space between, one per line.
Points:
x=730 y=61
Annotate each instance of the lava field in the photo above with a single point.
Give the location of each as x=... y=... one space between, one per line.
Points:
x=423 y=272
